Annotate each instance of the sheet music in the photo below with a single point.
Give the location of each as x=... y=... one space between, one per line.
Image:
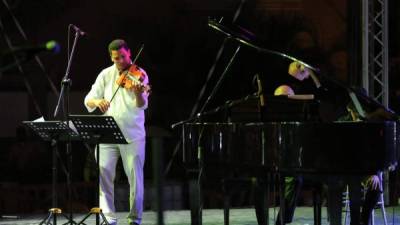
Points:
x=72 y=127
x=70 y=124
x=40 y=119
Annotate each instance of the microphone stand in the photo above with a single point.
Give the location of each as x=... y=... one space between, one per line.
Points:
x=66 y=83
x=64 y=101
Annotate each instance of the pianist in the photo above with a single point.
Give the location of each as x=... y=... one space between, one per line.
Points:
x=372 y=184
x=293 y=185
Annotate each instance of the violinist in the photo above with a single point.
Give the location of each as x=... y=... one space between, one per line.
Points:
x=121 y=90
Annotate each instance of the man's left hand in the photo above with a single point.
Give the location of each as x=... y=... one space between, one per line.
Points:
x=137 y=88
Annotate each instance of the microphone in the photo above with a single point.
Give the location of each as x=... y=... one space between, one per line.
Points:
x=259 y=90
x=78 y=30
x=29 y=50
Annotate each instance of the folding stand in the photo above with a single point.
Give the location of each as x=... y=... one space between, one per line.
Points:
x=53 y=131
x=96 y=130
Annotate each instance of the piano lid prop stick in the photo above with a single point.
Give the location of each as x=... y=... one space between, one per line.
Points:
x=314 y=78
x=301 y=97
x=260 y=90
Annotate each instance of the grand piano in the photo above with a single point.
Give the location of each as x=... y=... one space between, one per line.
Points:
x=277 y=136
x=287 y=137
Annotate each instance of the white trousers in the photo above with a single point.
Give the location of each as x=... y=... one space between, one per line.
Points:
x=133 y=156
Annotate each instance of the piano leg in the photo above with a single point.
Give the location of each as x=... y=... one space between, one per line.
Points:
x=262 y=200
x=196 y=203
x=289 y=190
x=335 y=201
x=226 y=210
x=355 y=201
x=317 y=206
x=227 y=201
x=281 y=215
x=267 y=203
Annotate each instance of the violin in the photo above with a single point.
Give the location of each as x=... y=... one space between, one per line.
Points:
x=133 y=75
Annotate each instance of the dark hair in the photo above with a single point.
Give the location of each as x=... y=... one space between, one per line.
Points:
x=117 y=44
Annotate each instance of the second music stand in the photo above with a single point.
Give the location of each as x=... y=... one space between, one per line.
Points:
x=96 y=130
x=53 y=132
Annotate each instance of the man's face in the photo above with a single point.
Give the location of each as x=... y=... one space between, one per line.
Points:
x=121 y=58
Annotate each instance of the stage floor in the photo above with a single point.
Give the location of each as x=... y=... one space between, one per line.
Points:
x=303 y=216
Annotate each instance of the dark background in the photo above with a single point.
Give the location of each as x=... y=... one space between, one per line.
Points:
x=179 y=50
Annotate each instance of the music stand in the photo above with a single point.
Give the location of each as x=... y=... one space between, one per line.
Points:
x=53 y=131
x=97 y=129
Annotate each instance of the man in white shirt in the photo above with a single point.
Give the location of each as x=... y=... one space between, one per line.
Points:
x=127 y=107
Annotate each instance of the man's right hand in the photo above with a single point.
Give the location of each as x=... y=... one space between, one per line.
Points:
x=102 y=104
x=374 y=183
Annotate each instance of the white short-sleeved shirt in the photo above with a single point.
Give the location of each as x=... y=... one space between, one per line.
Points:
x=128 y=116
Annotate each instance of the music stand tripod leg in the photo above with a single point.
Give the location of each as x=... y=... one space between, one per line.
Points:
x=104 y=219
x=84 y=218
x=100 y=211
x=46 y=220
x=69 y=220
x=96 y=210
x=53 y=211
x=68 y=171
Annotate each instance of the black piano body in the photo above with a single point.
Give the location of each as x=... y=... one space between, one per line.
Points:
x=289 y=138
x=346 y=151
x=291 y=135
x=303 y=147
